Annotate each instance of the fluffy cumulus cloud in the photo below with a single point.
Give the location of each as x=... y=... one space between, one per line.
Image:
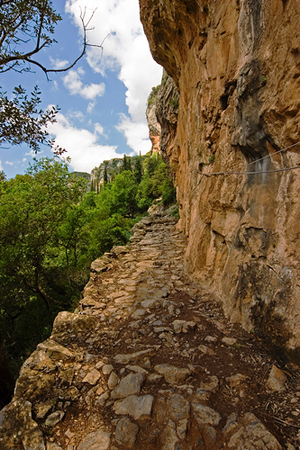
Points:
x=1 y=168
x=80 y=142
x=125 y=50
x=74 y=84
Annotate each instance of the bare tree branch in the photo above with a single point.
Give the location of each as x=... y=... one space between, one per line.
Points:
x=27 y=57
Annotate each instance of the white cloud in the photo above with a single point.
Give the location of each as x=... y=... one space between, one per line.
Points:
x=136 y=134
x=58 y=63
x=76 y=114
x=126 y=51
x=81 y=145
x=9 y=163
x=32 y=153
x=99 y=129
x=74 y=84
x=1 y=168
x=90 y=107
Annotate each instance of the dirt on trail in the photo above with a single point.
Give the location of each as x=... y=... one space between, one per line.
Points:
x=148 y=361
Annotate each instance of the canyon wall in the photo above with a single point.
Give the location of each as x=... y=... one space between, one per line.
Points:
x=236 y=65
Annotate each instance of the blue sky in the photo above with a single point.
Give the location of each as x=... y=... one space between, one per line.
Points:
x=103 y=98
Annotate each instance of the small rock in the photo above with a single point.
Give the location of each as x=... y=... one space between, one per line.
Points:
x=205 y=415
x=54 y=418
x=53 y=446
x=33 y=439
x=71 y=394
x=134 y=406
x=183 y=326
x=107 y=369
x=42 y=409
x=138 y=314
x=211 y=339
x=231 y=424
x=126 y=359
x=161 y=329
x=252 y=431
x=97 y=440
x=172 y=374
x=206 y=389
x=157 y=323
x=113 y=380
x=102 y=399
x=153 y=377
x=129 y=385
x=100 y=390
x=179 y=407
x=149 y=303
x=235 y=380
x=69 y=434
x=92 y=377
x=276 y=380
x=168 y=437
x=99 y=364
x=206 y=350
x=137 y=369
x=126 y=432
x=228 y=341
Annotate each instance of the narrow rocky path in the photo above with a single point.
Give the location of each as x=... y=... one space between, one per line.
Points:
x=149 y=362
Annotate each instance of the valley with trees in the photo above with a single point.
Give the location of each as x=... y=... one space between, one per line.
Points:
x=52 y=226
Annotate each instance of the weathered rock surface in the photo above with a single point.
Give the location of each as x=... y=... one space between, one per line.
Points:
x=236 y=65
x=106 y=380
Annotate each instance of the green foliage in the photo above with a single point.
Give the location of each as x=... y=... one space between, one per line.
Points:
x=126 y=163
x=26 y=29
x=21 y=119
x=2 y=176
x=51 y=229
x=155 y=183
x=153 y=94
x=263 y=80
x=174 y=102
x=212 y=158
x=164 y=79
x=40 y=232
x=138 y=170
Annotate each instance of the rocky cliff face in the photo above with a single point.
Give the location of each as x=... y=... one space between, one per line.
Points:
x=236 y=64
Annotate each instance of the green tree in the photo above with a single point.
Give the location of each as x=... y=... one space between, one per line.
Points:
x=27 y=28
x=2 y=176
x=155 y=183
x=138 y=170
x=123 y=194
x=126 y=164
x=105 y=176
x=21 y=119
x=40 y=232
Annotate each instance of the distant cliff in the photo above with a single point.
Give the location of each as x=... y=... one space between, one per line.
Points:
x=236 y=65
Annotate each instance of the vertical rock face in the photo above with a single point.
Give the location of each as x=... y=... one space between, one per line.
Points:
x=162 y=116
x=236 y=64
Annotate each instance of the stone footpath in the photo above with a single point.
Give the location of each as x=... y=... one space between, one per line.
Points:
x=148 y=362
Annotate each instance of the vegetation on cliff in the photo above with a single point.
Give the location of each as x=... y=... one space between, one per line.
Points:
x=51 y=228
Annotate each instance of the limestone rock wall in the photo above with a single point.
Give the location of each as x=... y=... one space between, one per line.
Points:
x=236 y=64
x=162 y=116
